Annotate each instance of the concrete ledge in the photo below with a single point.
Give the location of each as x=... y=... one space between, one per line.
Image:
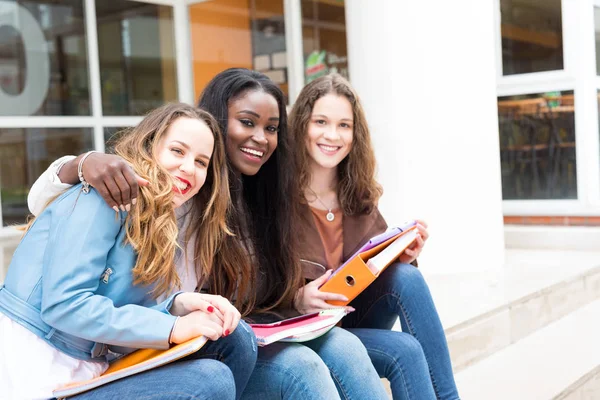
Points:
x=586 y=388
x=484 y=335
x=584 y=238
x=559 y=361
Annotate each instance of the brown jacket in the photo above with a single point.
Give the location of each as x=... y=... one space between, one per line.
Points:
x=357 y=230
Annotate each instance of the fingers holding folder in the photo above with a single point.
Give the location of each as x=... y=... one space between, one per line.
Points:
x=413 y=252
x=310 y=299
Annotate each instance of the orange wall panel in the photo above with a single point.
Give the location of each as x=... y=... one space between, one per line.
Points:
x=221 y=38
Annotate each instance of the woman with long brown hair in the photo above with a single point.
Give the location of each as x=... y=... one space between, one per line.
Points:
x=339 y=195
x=84 y=284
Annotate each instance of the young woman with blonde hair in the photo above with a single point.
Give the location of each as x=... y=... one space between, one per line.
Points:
x=339 y=195
x=83 y=284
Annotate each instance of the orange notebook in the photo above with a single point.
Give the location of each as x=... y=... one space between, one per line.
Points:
x=356 y=274
x=134 y=363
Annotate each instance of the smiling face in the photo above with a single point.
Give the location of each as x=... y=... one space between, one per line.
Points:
x=185 y=151
x=252 y=128
x=330 y=131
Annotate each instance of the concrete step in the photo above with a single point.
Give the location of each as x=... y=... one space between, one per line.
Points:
x=586 y=388
x=559 y=361
x=487 y=311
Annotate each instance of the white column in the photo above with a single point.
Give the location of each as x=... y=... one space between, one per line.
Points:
x=426 y=72
x=183 y=53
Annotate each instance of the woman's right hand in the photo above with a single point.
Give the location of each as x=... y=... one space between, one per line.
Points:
x=110 y=175
x=197 y=323
x=310 y=299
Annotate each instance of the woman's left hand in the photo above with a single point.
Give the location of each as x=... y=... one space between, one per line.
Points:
x=412 y=253
x=186 y=303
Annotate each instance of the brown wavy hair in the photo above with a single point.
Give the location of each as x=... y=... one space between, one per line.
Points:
x=358 y=191
x=151 y=225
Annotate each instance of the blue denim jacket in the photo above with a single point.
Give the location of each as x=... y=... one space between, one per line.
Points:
x=70 y=282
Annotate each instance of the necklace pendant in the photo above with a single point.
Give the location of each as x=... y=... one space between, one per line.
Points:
x=330 y=216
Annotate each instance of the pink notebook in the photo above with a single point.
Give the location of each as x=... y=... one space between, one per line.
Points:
x=298 y=329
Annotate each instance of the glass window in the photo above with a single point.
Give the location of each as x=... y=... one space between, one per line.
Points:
x=250 y=35
x=531 y=36
x=110 y=135
x=324 y=38
x=537 y=146
x=136 y=48
x=43 y=58
x=25 y=154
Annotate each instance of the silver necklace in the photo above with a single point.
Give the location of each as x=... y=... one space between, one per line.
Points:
x=330 y=216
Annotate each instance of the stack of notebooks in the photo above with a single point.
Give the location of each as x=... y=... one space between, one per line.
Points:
x=297 y=329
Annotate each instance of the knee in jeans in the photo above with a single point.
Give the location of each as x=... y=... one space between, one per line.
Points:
x=216 y=380
x=346 y=346
x=409 y=350
x=407 y=278
x=307 y=366
x=243 y=343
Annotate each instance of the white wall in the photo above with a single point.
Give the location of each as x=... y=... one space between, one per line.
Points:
x=425 y=71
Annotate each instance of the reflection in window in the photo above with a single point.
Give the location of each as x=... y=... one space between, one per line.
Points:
x=43 y=58
x=531 y=36
x=324 y=38
x=537 y=146
x=136 y=47
x=25 y=154
x=250 y=35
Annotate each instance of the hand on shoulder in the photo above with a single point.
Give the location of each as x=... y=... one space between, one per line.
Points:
x=112 y=177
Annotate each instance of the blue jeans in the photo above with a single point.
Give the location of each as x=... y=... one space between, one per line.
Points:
x=334 y=366
x=192 y=379
x=402 y=292
x=219 y=370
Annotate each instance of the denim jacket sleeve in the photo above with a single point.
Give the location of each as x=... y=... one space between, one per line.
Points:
x=84 y=229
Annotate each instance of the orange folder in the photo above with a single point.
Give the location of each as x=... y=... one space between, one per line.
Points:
x=131 y=364
x=355 y=276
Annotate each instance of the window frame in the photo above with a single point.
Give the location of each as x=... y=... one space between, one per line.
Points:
x=184 y=72
x=96 y=120
x=578 y=73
